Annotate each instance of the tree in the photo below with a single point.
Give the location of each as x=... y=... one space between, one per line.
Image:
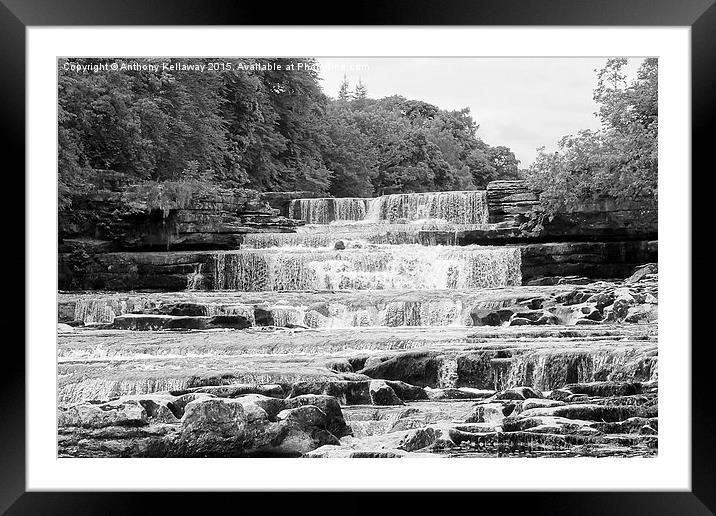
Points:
x=348 y=154
x=360 y=95
x=620 y=160
x=146 y=125
x=344 y=94
x=262 y=124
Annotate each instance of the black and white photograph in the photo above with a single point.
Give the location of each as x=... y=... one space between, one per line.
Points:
x=348 y=257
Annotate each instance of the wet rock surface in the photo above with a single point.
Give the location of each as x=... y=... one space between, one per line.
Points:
x=503 y=424
x=484 y=391
x=633 y=302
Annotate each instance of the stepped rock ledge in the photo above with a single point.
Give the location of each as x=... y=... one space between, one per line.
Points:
x=285 y=324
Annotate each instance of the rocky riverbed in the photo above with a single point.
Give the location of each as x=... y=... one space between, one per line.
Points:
x=491 y=388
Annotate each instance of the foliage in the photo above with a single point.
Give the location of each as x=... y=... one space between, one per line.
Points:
x=173 y=194
x=168 y=195
x=174 y=133
x=618 y=161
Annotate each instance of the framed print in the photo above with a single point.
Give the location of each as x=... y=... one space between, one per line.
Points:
x=432 y=239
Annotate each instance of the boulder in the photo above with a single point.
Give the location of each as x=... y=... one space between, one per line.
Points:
x=213 y=427
x=305 y=416
x=382 y=394
x=304 y=428
x=418 y=439
x=641 y=272
x=642 y=313
x=115 y=413
x=335 y=423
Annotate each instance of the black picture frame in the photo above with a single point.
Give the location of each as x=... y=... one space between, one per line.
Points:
x=699 y=15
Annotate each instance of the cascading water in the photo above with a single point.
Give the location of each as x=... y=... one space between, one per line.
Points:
x=389 y=219
x=379 y=267
x=467 y=207
x=460 y=207
x=92 y=310
x=323 y=210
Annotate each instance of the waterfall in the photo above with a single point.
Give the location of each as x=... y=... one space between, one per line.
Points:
x=547 y=369
x=460 y=207
x=379 y=267
x=466 y=207
x=92 y=311
x=323 y=210
x=105 y=309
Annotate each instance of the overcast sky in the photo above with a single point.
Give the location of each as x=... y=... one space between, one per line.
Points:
x=522 y=103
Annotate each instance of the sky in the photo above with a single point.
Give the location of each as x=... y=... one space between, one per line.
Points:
x=521 y=103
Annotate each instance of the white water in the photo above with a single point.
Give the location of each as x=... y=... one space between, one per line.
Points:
x=377 y=267
x=385 y=249
x=323 y=210
x=380 y=248
x=446 y=312
x=104 y=309
x=460 y=207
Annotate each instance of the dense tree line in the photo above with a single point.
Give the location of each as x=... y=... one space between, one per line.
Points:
x=618 y=161
x=251 y=124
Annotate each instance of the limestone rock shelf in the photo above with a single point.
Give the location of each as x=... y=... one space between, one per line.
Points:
x=565 y=303
x=216 y=221
x=374 y=392
x=479 y=357
x=514 y=204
